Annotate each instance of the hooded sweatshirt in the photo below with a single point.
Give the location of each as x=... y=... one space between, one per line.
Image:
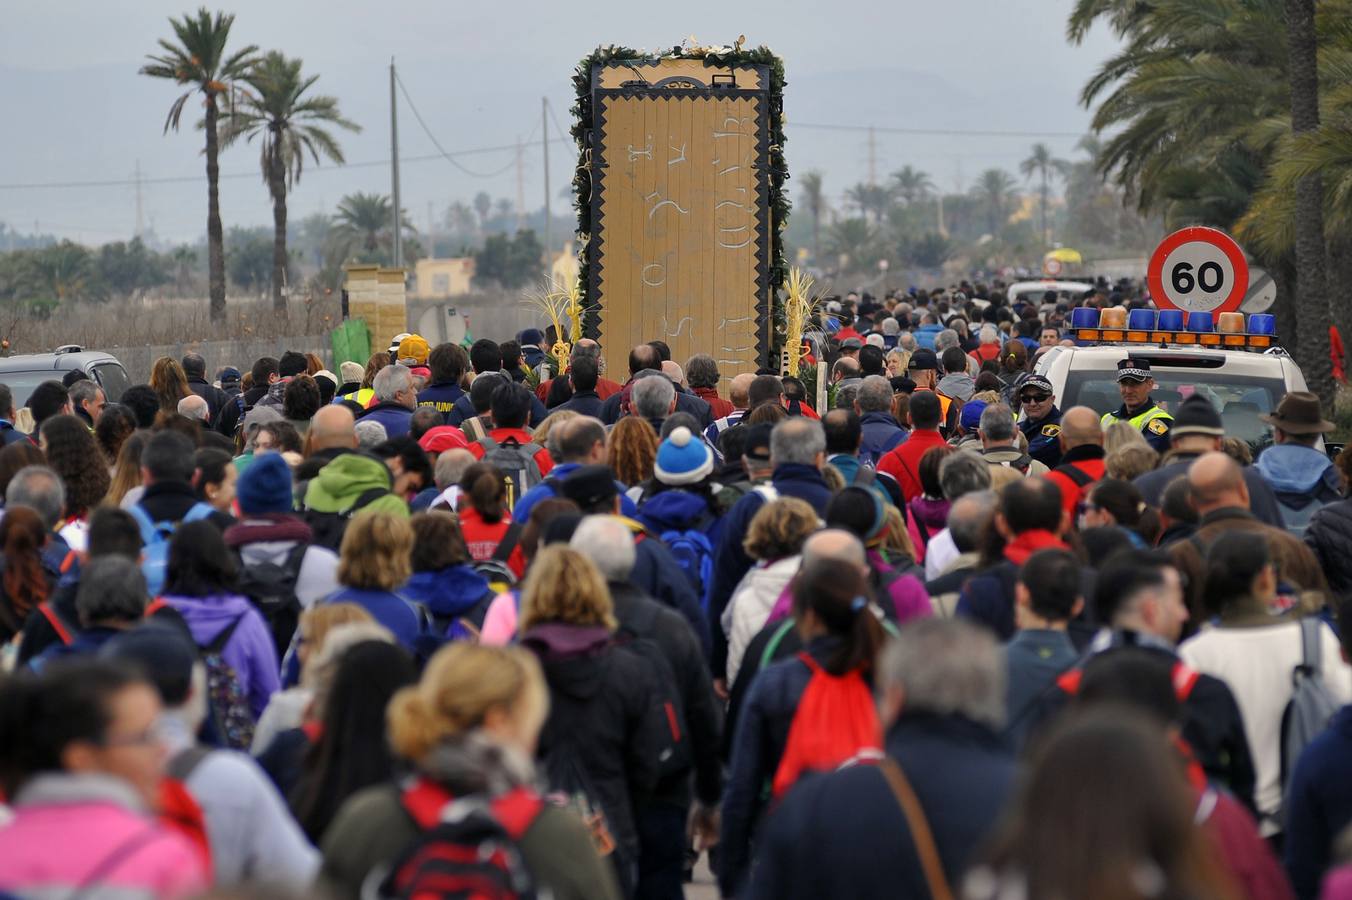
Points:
x=959 y=386
x=250 y=651
x=341 y=482
x=1299 y=475
x=449 y=593
x=680 y=510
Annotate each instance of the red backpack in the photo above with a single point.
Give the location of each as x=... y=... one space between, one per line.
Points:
x=835 y=720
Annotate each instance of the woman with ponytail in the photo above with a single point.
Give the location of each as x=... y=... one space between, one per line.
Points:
x=26 y=580
x=469 y=728
x=486 y=521
x=812 y=711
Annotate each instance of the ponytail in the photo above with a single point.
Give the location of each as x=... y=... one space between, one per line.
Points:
x=485 y=489
x=838 y=594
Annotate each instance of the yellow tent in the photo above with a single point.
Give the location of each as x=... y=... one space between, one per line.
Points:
x=1065 y=255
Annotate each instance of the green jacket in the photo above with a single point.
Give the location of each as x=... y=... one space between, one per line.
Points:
x=339 y=484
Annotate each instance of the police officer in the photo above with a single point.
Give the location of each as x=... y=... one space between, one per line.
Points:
x=1042 y=420
x=1134 y=383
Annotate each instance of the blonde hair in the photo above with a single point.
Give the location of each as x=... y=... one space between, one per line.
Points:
x=631 y=450
x=565 y=586
x=1122 y=434
x=895 y=537
x=317 y=621
x=377 y=552
x=541 y=433
x=1131 y=461
x=779 y=528
x=459 y=687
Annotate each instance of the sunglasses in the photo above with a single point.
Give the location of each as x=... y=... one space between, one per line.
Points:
x=1035 y=398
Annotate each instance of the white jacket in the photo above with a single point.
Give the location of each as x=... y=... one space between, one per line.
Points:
x=750 y=606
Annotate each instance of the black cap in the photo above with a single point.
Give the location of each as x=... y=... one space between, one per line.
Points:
x=164 y=654
x=758 y=443
x=1131 y=369
x=588 y=486
x=924 y=358
x=1196 y=415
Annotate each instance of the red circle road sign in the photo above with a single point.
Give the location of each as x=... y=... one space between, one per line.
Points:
x=1198 y=270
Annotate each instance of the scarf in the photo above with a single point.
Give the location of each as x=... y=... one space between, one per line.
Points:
x=1025 y=545
x=268 y=527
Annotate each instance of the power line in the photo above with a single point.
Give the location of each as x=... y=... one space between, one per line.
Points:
x=435 y=143
x=939 y=132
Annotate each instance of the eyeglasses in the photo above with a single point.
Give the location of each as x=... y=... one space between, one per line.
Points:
x=150 y=737
x=1035 y=398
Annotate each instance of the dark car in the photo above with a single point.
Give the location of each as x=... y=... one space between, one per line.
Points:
x=24 y=373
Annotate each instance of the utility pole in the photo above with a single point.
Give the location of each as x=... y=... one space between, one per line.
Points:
x=394 y=175
x=520 y=187
x=872 y=158
x=544 y=142
x=943 y=232
x=139 y=220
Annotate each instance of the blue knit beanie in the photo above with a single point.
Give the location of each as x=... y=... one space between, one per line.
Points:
x=265 y=486
x=683 y=459
x=970 y=417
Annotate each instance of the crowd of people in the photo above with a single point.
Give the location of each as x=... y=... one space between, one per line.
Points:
x=486 y=622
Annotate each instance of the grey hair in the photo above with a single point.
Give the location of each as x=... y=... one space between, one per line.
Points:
x=963 y=472
x=588 y=350
x=112 y=589
x=194 y=407
x=969 y=517
x=907 y=341
x=797 y=440
x=41 y=490
x=84 y=390
x=845 y=396
x=874 y=395
x=989 y=334
x=701 y=371
x=997 y=423
x=390 y=381
x=370 y=432
x=947 y=667
x=945 y=339
x=651 y=397
x=891 y=326
x=608 y=543
x=451 y=465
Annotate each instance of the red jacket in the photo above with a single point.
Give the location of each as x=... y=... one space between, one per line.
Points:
x=903 y=463
x=482 y=538
x=717 y=405
x=1088 y=460
x=521 y=436
x=985 y=352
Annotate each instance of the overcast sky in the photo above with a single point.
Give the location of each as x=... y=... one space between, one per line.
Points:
x=75 y=109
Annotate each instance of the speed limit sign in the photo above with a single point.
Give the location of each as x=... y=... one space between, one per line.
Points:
x=1198 y=270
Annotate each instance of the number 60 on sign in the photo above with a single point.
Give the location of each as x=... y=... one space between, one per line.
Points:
x=1198 y=270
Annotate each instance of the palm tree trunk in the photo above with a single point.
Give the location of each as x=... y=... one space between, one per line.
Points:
x=1312 y=305
x=277 y=186
x=215 y=234
x=1046 y=239
x=1284 y=275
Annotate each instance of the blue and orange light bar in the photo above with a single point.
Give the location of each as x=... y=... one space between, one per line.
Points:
x=1228 y=331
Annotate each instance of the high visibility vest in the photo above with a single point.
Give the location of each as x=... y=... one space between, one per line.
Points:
x=1139 y=421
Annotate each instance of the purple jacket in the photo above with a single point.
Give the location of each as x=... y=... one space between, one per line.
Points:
x=909 y=598
x=250 y=651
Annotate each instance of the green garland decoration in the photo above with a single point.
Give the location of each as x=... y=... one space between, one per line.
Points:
x=780 y=204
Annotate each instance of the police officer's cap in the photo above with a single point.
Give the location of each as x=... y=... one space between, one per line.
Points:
x=1131 y=369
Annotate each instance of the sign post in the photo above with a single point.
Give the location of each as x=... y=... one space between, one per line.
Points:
x=1198 y=270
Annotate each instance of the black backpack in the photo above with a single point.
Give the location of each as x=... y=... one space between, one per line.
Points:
x=676 y=756
x=329 y=527
x=271 y=586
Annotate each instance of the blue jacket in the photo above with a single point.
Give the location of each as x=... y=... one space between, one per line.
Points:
x=11 y=435
x=545 y=489
x=387 y=608
x=449 y=592
x=1319 y=804
x=1299 y=475
x=881 y=434
x=657 y=574
x=393 y=416
x=843 y=834
x=440 y=397
x=731 y=562
x=925 y=334
x=1044 y=438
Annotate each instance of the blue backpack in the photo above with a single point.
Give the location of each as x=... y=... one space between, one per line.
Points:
x=695 y=555
x=155 y=538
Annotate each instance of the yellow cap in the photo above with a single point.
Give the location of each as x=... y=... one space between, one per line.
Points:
x=414 y=348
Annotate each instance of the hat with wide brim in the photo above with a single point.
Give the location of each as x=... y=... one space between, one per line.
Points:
x=1299 y=413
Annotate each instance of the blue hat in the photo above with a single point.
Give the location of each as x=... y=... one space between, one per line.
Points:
x=971 y=415
x=265 y=486
x=683 y=459
x=531 y=337
x=229 y=375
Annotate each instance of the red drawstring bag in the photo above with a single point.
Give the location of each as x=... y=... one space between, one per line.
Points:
x=835 y=720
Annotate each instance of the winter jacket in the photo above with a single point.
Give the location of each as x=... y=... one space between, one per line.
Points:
x=925 y=335
x=482 y=539
x=909 y=599
x=1329 y=535
x=450 y=593
x=1033 y=660
x=233 y=412
x=394 y=416
x=676 y=509
x=1318 y=805
x=957 y=386
x=858 y=841
x=250 y=650
x=215 y=397
x=386 y=607
x=1262 y=500
x=440 y=397
x=68 y=829
x=731 y=560
x=988 y=598
x=751 y=604
x=11 y=435
x=926 y=518
x=340 y=483
x=903 y=462
x=1044 y=438
x=249 y=827
x=373 y=828
x=1013 y=458
x=272 y=537
x=718 y=407
x=1300 y=476
x=584 y=403
x=881 y=435
x=658 y=575
x=1088 y=459
x=602 y=720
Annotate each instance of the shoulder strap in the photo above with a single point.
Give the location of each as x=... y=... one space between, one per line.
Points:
x=223 y=637
x=920 y=528
x=199 y=511
x=154 y=606
x=921 y=836
x=54 y=619
x=144 y=522
x=1311 y=657
x=516 y=811
x=771 y=646
x=185 y=761
x=1075 y=474
x=508 y=543
x=488 y=444
x=1185 y=679
x=365 y=499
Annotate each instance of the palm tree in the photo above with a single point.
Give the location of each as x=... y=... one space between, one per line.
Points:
x=199 y=59
x=911 y=185
x=995 y=191
x=290 y=124
x=483 y=205
x=869 y=199
x=185 y=260
x=58 y=273
x=362 y=227
x=854 y=242
x=1044 y=165
x=815 y=200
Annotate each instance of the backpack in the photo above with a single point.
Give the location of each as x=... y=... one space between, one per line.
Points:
x=695 y=555
x=271 y=586
x=500 y=575
x=329 y=527
x=571 y=786
x=225 y=693
x=474 y=428
x=466 y=848
x=155 y=538
x=457 y=628
x=835 y=720
x=1296 y=518
x=1082 y=480
x=676 y=756
x=1311 y=705
x=516 y=461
